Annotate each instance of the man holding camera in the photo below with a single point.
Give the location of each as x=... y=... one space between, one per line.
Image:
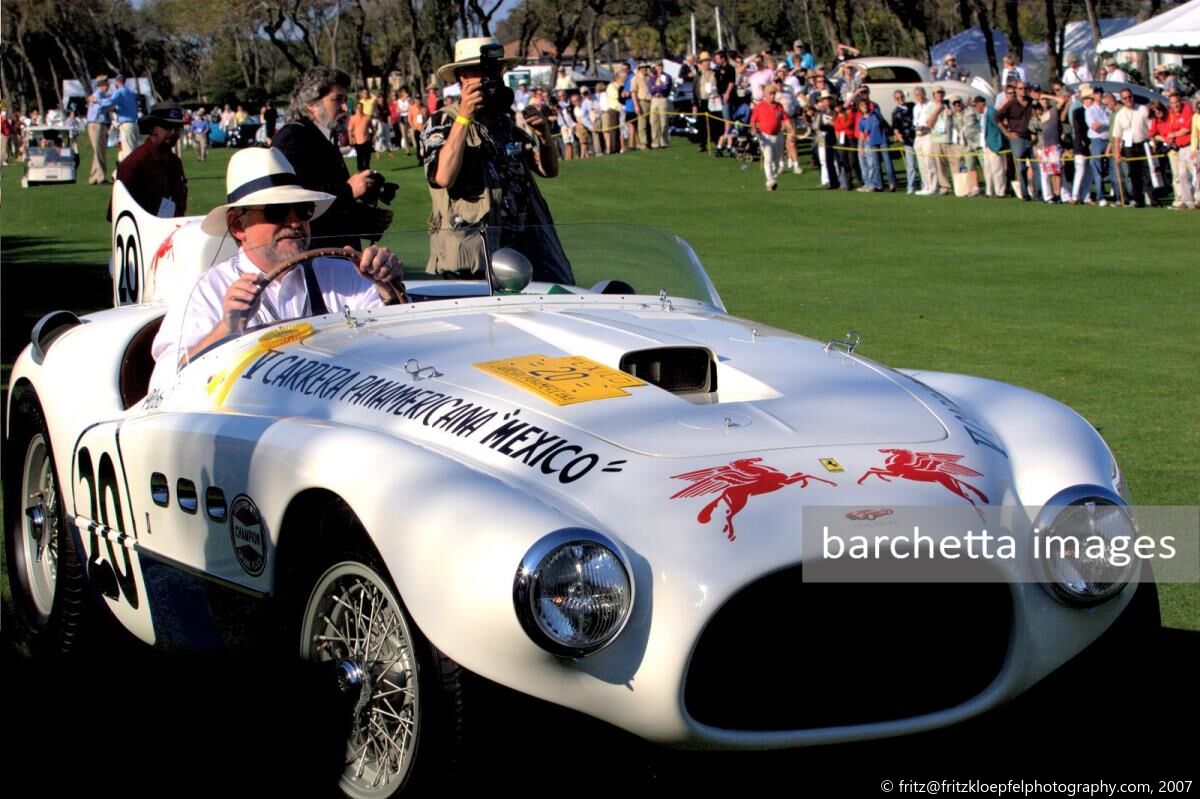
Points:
x=479 y=161
x=318 y=106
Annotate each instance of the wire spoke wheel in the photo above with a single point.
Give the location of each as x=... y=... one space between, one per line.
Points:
x=38 y=544
x=354 y=623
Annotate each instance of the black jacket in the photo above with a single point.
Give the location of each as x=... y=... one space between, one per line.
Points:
x=320 y=166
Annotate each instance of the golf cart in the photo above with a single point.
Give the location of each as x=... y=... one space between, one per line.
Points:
x=51 y=155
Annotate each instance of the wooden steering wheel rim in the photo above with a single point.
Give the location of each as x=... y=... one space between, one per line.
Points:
x=321 y=252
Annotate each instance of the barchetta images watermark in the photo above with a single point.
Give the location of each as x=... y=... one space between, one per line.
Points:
x=1085 y=542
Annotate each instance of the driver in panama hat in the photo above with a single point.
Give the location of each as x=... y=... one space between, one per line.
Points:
x=268 y=213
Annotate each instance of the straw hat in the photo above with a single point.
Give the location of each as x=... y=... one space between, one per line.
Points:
x=466 y=54
x=1085 y=91
x=261 y=176
x=704 y=56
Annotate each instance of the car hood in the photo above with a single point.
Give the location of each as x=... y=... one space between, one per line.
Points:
x=776 y=390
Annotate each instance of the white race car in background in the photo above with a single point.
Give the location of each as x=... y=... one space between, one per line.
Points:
x=591 y=496
x=887 y=74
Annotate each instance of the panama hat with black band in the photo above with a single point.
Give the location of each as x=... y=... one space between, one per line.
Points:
x=262 y=176
x=466 y=54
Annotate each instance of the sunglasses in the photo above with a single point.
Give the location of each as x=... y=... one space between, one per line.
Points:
x=278 y=214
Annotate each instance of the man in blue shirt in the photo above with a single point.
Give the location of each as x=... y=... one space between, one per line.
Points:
x=199 y=130
x=800 y=58
x=97 y=129
x=123 y=102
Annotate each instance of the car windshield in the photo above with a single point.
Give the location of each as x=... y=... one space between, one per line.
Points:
x=646 y=260
x=49 y=145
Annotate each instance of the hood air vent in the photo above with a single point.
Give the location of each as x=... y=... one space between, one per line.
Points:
x=680 y=370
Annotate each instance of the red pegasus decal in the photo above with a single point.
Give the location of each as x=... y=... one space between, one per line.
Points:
x=928 y=467
x=163 y=249
x=736 y=483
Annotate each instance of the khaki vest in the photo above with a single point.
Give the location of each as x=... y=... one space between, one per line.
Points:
x=457 y=225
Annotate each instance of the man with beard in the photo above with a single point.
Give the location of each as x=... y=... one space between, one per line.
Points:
x=268 y=213
x=479 y=161
x=317 y=108
x=153 y=173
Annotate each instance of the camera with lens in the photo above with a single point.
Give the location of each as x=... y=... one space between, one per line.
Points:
x=491 y=63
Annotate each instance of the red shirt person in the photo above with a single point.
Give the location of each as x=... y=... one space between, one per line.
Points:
x=767 y=119
x=152 y=173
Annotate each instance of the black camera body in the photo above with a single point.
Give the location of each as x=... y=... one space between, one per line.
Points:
x=491 y=63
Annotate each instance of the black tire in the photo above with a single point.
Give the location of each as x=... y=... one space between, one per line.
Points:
x=46 y=607
x=432 y=714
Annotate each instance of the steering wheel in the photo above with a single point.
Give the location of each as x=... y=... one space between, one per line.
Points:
x=320 y=252
x=395 y=287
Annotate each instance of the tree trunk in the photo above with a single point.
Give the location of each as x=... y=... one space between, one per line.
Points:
x=57 y=82
x=833 y=32
x=808 y=27
x=848 y=8
x=4 y=91
x=19 y=43
x=1140 y=58
x=1015 y=44
x=1094 y=24
x=985 y=25
x=240 y=54
x=964 y=13
x=1053 y=48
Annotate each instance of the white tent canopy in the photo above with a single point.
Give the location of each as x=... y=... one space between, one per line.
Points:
x=1177 y=29
x=970 y=49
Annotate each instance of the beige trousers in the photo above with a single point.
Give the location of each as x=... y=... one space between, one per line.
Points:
x=98 y=136
x=923 y=146
x=643 y=123
x=129 y=139
x=993 y=174
x=658 y=122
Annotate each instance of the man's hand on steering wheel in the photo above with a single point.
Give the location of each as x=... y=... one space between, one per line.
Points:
x=386 y=269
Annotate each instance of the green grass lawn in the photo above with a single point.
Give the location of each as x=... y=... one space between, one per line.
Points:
x=1097 y=308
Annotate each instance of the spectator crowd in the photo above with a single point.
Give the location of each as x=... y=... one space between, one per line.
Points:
x=1072 y=142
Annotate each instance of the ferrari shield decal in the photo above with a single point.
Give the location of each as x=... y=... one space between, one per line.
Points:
x=562 y=381
x=247 y=535
x=928 y=467
x=735 y=483
x=832 y=465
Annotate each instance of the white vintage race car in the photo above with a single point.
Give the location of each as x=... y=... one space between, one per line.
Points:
x=887 y=74
x=591 y=496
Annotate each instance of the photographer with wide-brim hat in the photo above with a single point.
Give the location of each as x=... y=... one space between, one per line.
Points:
x=479 y=160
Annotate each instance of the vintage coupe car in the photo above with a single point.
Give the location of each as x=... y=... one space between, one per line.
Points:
x=591 y=496
x=886 y=74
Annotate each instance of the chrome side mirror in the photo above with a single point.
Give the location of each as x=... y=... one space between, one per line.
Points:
x=511 y=271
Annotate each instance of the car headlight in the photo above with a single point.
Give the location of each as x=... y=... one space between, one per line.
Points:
x=573 y=592
x=1085 y=539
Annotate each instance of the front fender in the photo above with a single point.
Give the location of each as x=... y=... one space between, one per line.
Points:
x=1050 y=447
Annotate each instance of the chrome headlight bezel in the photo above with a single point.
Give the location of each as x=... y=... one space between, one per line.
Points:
x=1043 y=526
x=528 y=578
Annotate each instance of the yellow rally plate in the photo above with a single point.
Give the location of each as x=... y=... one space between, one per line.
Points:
x=563 y=381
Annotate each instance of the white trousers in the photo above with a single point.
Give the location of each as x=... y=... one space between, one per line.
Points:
x=772 y=152
x=923 y=146
x=129 y=139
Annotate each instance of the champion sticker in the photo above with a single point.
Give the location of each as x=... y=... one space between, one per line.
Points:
x=562 y=381
x=247 y=535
